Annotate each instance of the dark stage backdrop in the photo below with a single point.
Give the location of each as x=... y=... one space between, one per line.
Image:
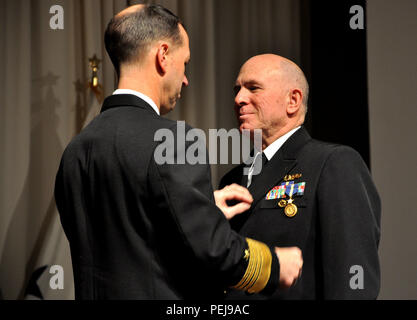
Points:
x=334 y=58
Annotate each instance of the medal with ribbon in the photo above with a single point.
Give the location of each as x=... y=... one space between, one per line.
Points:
x=288 y=190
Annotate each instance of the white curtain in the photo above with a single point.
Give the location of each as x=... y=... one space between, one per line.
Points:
x=223 y=35
x=44 y=102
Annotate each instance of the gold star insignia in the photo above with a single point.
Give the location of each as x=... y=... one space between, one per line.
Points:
x=246 y=256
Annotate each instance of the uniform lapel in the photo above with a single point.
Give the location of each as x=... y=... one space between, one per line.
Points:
x=125 y=100
x=280 y=165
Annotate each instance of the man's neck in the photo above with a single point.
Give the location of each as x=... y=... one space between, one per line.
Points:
x=147 y=87
x=273 y=148
x=269 y=138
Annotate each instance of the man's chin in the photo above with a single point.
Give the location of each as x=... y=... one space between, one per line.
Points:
x=168 y=108
x=165 y=110
x=245 y=126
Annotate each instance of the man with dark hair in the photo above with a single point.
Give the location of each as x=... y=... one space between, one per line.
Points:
x=128 y=35
x=314 y=195
x=139 y=229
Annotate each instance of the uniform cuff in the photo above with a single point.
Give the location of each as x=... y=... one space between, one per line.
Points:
x=258 y=272
x=273 y=282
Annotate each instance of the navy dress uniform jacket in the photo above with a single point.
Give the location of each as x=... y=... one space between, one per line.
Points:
x=138 y=229
x=337 y=224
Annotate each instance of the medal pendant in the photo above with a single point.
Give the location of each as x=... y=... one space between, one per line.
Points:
x=290 y=210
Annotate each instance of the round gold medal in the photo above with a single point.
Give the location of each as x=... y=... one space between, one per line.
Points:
x=290 y=210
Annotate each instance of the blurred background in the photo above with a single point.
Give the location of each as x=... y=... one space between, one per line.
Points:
x=362 y=74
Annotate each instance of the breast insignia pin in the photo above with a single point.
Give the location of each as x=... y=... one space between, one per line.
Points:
x=282 y=203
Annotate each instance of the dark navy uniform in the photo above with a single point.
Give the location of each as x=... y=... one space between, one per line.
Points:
x=319 y=197
x=142 y=230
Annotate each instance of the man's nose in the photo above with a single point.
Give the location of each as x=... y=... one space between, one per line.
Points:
x=185 y=81
x=241 y=98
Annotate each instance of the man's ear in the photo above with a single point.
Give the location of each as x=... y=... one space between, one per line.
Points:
x=161 y=57
x=295 y=98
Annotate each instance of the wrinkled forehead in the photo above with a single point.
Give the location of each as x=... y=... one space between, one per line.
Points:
x=257 y=71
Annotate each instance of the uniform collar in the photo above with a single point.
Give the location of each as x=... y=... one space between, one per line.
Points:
x=126 y=100
x=139 y=95
x=277 y=144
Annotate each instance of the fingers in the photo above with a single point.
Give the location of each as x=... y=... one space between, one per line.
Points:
x=237 y=209
x=298 y=277
x=219 y=198
x=238 y=193
x=233 y=192
x=291 y=263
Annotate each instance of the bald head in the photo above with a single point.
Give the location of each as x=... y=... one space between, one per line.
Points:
x=270 y=94
x=131 y=32
x=131 y=9
x=272 y=65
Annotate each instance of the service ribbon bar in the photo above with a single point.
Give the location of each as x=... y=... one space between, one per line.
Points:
x=286 y=189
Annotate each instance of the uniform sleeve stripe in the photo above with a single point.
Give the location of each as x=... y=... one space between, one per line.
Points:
x=258 y=271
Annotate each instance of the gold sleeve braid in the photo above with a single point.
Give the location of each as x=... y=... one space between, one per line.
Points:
x=259 y=267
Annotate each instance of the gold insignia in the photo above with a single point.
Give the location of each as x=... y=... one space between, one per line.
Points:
x=282 y=203
x=290 y=177
x=246 y=256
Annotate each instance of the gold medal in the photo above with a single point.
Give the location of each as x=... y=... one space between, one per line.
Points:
x=290 y=210
x=282 y=203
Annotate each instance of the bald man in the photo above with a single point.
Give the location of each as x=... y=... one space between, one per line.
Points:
x=139 y=228
x=314 y=195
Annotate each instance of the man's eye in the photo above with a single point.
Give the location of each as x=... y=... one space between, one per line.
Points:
x=253 y=88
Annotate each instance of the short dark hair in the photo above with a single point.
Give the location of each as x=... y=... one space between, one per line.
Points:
x=127 y=36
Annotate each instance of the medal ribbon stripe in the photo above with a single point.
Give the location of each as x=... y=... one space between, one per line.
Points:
x=300 y=188
x=286 y=188
x=281 y=192
x=289 y=188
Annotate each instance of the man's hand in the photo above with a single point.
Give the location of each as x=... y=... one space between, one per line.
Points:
x=291 y=263
x=233 y=192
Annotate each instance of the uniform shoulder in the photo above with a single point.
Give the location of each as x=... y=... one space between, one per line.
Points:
x=329 y=148
x=333 y=152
